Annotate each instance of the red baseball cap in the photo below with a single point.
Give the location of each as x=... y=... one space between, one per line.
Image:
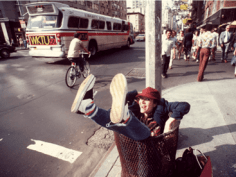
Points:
x=150 y=93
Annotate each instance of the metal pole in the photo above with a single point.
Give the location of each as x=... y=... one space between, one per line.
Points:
x=153 y=44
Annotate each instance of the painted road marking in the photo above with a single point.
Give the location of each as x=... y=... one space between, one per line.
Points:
x=54 y=150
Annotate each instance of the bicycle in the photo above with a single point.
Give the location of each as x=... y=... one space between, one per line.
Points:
x=73 y=72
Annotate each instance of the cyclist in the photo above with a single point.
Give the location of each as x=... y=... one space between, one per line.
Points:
x=75 y=49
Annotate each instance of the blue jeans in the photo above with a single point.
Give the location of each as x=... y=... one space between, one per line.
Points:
x=79 y=61
x=224 y=49
x=133 y=129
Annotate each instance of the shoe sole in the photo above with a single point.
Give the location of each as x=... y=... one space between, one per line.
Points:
x=118 y=90
x=81 y=92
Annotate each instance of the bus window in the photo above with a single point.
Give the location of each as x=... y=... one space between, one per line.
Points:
x=83 y=23
x=108 y=25
x=46 y=8
x=47 y=21
x=94 y=24
x=101 y=24
x=116 y=26
x=73 y=22
x=126 y=27
x=97 y=24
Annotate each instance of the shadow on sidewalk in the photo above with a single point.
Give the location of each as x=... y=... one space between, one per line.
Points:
x=223 y=157
x=197 y=136
x=188 y=73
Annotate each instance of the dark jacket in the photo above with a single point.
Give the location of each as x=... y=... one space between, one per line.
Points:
x=188 y=37
x=233 y=40
x=161 y=113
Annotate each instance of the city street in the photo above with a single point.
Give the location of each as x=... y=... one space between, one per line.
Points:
x=39 y=136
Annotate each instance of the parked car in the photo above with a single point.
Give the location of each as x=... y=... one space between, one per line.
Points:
x=140 y=37
x=5 y=50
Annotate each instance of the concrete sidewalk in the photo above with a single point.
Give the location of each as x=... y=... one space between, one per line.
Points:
x=210 y=126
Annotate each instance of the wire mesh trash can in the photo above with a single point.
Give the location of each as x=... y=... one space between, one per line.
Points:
x=152 y=157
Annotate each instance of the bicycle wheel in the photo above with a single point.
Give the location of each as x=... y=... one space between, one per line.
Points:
x=86 y=69
x=70 y=77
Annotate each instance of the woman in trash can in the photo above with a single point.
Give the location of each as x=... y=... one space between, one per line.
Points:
x=135 y=115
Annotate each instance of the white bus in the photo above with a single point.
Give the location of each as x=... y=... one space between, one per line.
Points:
x=51 y=27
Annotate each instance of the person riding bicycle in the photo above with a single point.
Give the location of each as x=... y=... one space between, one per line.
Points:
x=75 y=49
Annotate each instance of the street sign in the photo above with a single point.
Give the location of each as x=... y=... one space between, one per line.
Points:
x=186 y=20
x=184 y=7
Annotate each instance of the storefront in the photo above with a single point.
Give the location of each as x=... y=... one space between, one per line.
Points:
x=222 y=16
x=11 y=30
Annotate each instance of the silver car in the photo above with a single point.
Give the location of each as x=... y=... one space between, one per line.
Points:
x=140 y=37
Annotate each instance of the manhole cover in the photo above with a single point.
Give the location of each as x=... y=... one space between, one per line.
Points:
x=137 y=72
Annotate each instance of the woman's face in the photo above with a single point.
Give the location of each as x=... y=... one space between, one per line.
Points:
x=181 y=33
x=146 y=105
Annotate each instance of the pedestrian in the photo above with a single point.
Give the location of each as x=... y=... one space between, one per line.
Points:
x=173 y=50
x=194 y=44
x=188 y=37
x=180 y=39
x=12 y=42
x=20 y=41
x=202 y=30
x=233 y=48
x=25 y=43
x=135 y=115
x=205 y=42
x=225 y=39
x=75 y=49
x=214 y=48
x=167 y=45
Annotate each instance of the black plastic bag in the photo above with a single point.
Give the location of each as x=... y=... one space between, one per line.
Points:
x=187 y=165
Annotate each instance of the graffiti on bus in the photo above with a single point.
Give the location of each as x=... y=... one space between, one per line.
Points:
x=43 y=40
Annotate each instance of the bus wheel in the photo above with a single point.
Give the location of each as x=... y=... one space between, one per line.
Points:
x=5 y=53
x=93 y=49
x=128 y=44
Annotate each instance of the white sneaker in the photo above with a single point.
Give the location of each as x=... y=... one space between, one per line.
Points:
x=118 y=90
x=84 y=95
x=197 y=61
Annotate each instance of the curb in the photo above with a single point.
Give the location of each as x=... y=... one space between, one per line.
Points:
x=101 y=162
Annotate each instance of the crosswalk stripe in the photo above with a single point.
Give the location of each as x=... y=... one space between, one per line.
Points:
x=54 y=150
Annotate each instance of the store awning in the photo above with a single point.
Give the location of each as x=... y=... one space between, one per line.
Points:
x=232 y=24
x=202 y=25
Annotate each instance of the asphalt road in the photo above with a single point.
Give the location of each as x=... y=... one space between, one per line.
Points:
x=39 y=136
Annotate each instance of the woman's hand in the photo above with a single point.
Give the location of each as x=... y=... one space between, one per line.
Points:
x=171 y=124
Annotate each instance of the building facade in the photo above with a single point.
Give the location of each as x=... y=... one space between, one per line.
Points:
x=215 y=12
x=10 y=27
x=13 y=14
x=138 y=21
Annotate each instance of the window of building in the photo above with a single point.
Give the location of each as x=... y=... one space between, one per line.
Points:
x=95 y=6
x=221 y=3
x=214 y=6
x=89 y=4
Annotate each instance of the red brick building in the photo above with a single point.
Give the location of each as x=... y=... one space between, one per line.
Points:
x=215 y=12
